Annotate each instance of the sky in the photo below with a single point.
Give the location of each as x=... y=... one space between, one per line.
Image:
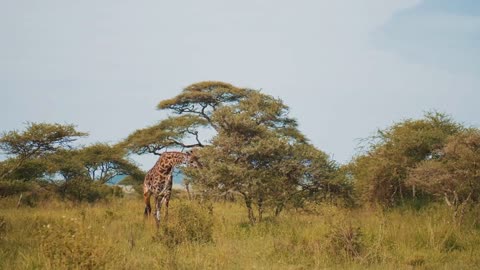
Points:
x=345 y=68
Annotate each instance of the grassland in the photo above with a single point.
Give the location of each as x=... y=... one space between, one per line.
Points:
x=114 y=235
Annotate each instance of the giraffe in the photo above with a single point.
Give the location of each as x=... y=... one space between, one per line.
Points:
x=158 y=180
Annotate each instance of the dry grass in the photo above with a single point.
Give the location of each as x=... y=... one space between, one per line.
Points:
x=114 y=235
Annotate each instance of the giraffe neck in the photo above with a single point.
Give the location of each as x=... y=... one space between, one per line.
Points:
x=169 y=160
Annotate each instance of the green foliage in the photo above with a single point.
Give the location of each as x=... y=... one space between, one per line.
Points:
x=381 y=172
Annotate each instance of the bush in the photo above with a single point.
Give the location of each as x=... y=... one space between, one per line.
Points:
x=346 y=240
x=14 y=187
x=80 y=190
x=187 y=223
x=31 y=192
x=70 y=244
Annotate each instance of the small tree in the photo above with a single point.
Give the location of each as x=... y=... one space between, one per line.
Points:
x=380 y=173
x=39 y=139
x=257 y=153
x=455 y=175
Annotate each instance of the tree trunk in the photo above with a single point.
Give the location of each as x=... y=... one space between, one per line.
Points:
x=278 y=209
x=260 y=209
x=187 y=187
x=19 y=200
x=16 y=166
x=248 y=203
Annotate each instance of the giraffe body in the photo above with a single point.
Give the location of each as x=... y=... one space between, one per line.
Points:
x=159 y=180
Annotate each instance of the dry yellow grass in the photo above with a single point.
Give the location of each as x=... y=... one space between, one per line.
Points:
x=114 y=235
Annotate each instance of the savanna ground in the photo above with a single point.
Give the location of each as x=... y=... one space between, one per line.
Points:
x=114 y=235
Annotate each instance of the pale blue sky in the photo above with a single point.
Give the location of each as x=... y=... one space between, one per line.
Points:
x=345 y=68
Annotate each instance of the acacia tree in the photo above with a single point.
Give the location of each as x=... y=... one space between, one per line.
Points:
x=274 y=159
x=256 y=151
x=38 y=140
x=98 y=162
x=103 y=162
x=380 y=173
x=192 y=111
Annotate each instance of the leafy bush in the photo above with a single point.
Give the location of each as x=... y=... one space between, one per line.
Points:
x=187 y=223
x=80 y=190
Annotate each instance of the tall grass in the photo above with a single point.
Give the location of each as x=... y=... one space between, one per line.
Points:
x=114 y=235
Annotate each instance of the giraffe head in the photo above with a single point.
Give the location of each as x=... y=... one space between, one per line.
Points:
x=191 y=159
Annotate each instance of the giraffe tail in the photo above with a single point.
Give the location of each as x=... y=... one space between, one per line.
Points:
x=148 y=207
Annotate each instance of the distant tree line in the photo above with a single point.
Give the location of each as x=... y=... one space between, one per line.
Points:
x=46 y=152
x=250 y=148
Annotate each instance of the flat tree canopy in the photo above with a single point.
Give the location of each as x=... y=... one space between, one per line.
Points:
x=38 y=139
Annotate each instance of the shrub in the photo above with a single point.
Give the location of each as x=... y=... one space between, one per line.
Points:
x=187 y=223
x=85 y=190
x=346 y=240
x=14 y=187
x=32 y=192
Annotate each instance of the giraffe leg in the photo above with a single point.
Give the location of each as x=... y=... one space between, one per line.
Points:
x=168 y=193
x=158 y=207
x=148 y=207
x=165 y=201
